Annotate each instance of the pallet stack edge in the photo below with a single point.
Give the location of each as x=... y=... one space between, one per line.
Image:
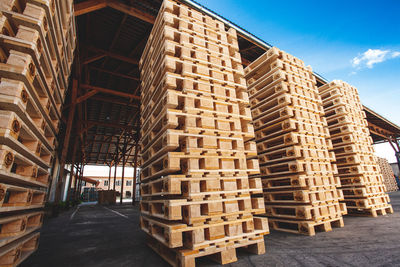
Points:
x=297 y=171
x=361 y=178
x=37 y=43
x=197 y=197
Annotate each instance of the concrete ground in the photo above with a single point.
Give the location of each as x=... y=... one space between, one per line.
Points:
x=110 y=236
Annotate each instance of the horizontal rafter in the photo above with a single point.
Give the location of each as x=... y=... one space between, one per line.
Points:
x=114 y=55
x=131 y=11
x=109 y=91
x=116 y=74
x=88 y=6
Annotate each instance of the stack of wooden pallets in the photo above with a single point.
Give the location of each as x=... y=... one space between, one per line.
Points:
x=37 y=41
x=300 y=188
x=388 y=176
x=197 y=199
x=361 y=179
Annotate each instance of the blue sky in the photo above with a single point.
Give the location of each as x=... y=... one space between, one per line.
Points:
x=354 y=41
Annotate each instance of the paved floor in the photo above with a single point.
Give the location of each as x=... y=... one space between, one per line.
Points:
x=110 y=236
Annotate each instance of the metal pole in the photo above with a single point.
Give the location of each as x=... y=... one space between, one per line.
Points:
x=123 y=173
x=109 y=177
x=398 y=165
x=115 y=173
x=78 y=168
x=135 y=172
x=123 y=168
x=71 y=176
x=80 y=181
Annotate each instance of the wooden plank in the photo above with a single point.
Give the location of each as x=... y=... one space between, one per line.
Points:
x=116 y=73
x=109 y=91
x=88 y=6
x=131 y=11
x=114 y=55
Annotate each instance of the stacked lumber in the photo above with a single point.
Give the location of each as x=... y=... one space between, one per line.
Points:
x=37 y=42
x=298 y=177
x=388 y=176
x=358 y=169
x=197 y=199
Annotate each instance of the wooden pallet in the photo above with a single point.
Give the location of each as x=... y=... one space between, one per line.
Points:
x=293 y=139
x=223 y=253
x=297 y=167
x=14 y=97
x=326 y=211
x=362 y=180
x=16 y=252
x=202 y=164
x=366 y=191
x=47 y=15
x=299 y=181
x=388 y=176
x=287 y=100
x=179 y=235
x=19 y=66
x=269 y=93
x=194 y=104
x=16 y=226
x=20 y=198
x=16 y=134
x=320 y=196
x=17 y=169
x=305 y=227
x=203 y=187
x=197 y=197
x=372 y=212
x=36 y=21
x=296 y=164
x=194 y=144
x=293 y=153
x=28 y=41
x=203 y=211
x=370 y=202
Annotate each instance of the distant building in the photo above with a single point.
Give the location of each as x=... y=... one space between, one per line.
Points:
x=105 y=184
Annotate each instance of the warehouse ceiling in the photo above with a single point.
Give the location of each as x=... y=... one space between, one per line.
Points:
x=111 y=38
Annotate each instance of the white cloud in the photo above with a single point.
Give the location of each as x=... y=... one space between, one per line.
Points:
x=371 y=57
x=395 y=54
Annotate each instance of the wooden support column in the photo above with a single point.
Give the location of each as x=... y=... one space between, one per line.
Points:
x=64 y=151
x=135 y=172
